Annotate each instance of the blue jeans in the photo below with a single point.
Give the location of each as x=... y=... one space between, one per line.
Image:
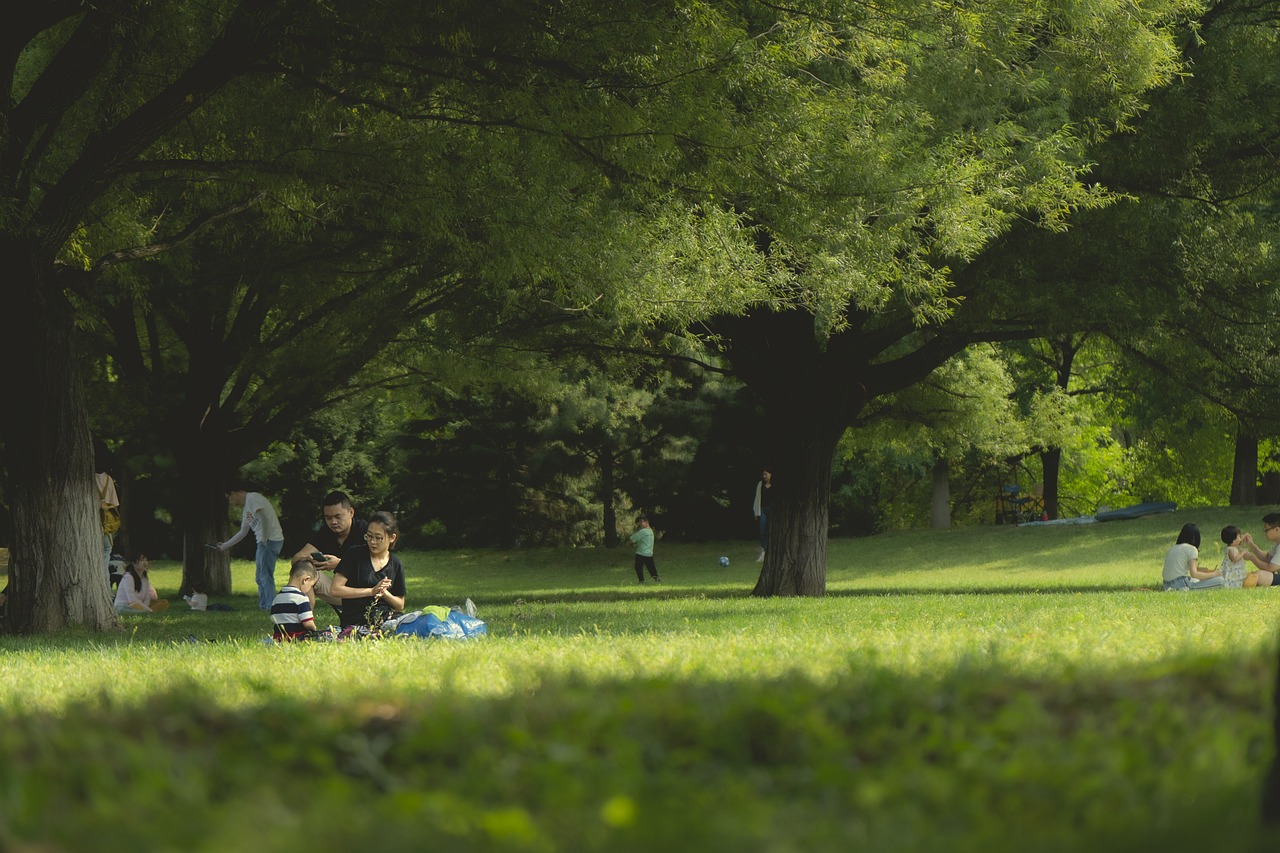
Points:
x=265 y=558
x=106 y=553
x=764 y=528
x=1185 y=583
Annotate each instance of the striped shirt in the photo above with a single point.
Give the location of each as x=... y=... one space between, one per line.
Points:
x=289 y=610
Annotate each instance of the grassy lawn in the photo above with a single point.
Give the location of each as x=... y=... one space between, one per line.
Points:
x=985 y=689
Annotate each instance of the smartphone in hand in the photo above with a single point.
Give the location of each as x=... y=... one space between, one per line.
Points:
x=317 y=556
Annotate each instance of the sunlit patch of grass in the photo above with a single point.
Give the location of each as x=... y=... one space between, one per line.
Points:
x=995 y=689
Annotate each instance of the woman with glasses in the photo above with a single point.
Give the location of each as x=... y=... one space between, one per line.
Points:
x=370 y=579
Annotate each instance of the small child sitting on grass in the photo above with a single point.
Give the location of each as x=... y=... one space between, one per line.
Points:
x=1235 y=568
x=291 y=608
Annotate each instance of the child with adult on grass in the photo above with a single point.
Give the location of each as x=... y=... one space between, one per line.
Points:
x=643 y=540
x=291 y=611
x=1235 y=567
x=370 y=579
x=1181 y=564
x=257 y=514
x=1268 y=562
x=135 y=594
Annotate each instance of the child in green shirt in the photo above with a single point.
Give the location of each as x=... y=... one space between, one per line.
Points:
x=643 y=539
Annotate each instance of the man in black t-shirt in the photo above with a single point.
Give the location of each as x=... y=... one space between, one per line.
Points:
x=341 y=530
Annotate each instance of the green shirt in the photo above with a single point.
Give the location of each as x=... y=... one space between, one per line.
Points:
x=644 y=541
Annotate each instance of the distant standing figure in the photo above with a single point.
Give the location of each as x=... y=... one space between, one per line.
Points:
x=1181 y=564
x=135 y=594
x=257 y=514
x=1234 y=567
x=1268 y=563
x=291 y=613
x=643 y=540
x=764 y=495
x=108 y=503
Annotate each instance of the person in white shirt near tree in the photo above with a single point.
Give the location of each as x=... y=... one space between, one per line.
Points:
x=257 y=514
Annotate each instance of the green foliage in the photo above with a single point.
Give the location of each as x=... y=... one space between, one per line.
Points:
x=347 y=447
x=529 y=449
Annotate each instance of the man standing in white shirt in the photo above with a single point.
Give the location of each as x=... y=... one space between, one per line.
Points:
x=257 y=514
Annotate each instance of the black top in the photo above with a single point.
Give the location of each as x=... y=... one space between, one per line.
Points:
x=326 y=541
x=357 y=568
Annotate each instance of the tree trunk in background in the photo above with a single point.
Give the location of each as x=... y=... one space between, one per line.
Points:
x=607 y=488
x=809 y=392
x=1269 y=492
x=204 y=519
x=940 y=513
x=57 y=576
x=1244 y=470
x=795 y=560
x=1051 y=465
x=1063 y=351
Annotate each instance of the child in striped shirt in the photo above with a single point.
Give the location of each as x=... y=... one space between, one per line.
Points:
x=291 y=608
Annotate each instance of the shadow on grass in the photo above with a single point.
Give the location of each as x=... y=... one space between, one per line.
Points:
x=977 y=760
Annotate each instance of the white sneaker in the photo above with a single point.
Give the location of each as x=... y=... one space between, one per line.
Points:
x=760 y=559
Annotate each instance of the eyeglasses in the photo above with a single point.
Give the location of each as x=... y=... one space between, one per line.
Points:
x=375 y=538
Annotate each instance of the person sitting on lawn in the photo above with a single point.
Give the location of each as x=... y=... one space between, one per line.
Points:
x=370 y=580
x=1181 y=564
x=135 y=594
x=341 y=530
x=291 y=612
x=1234 y=567
x=1268 y=563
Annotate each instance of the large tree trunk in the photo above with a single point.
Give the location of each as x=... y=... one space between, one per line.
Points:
x=1063 y=355
x=607 y=489
x=940 y=509
x=1051 y=464
x=808 y=394
x=1269 y=491
x=1244 y=470
x=811 y=386
x=56 y=573
x=802 y=435
x=204 y=520
x=795 y=559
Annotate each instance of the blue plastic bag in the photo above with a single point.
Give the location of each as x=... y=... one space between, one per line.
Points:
x=455 y=625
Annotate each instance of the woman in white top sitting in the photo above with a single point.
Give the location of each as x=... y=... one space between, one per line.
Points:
x=1181 y=565
x=135 y=594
